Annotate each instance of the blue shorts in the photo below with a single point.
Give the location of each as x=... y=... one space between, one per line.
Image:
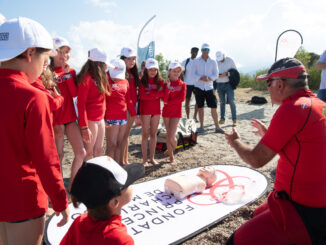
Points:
x=116 y=122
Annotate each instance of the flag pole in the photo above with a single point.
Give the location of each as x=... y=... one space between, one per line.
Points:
x=142 y=31
x=279 y=39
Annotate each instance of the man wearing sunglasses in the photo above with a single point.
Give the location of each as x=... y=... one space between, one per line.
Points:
x=205 y=72
x=295 y=212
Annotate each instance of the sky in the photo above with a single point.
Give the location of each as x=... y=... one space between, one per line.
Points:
x=245 y=30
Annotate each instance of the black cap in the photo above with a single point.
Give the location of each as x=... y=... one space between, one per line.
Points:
x=101 y=178
x=287 y=68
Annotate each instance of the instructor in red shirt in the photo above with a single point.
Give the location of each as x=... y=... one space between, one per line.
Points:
x=295 y=212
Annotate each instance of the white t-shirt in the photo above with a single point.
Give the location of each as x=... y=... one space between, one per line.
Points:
x=189 y=78
x=323 y=72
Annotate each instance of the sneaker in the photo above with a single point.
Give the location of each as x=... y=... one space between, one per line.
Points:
x=219 y=131
x=221 y=121
x=200 y=130
x=234 y=123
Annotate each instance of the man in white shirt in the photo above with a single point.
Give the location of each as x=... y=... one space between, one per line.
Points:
x=189 y=79
x=205 y=71
x=224 y=87
x=321 y=64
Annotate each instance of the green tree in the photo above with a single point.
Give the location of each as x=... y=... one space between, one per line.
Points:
x=163 y=64
x=309 y=60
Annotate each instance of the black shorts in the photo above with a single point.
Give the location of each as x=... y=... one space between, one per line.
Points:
x=208 y=95
x=190 y=90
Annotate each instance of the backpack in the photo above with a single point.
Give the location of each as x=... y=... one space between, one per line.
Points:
x=234 y=78
x=257 y=100
x=186 y=135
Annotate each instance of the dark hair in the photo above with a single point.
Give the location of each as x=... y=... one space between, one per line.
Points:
x=194 y=49
x=300 y=82
x=98 y=74
x=38 y=51
x=134 y=72
x=101 y=212
x=144 y=79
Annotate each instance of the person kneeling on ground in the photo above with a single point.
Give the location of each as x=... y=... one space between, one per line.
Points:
x=104 y=187
x=295 y=212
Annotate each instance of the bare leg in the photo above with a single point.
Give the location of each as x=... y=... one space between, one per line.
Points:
x=173 y=126
x=201 y=116
x=125 y=141
x=112 y=132
x=28 y=232
x=75 y=139
x=187 y=107
x=155 y=120
x=146 y=120
x=196 y=112
x=93 y=127
x=167 y=127
x=119 y=150
x=215 y=117
x=59 y=132
x=98 y=146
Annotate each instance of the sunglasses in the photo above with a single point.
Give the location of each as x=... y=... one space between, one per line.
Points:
x=205 y=49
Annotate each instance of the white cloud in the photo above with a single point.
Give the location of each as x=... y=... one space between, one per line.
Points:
x=250 y=39
x=103 y=3
x=107 y=35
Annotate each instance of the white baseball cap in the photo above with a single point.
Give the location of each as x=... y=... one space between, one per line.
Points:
x=151 y=63
x=117 y=69
x=60 y=42
x=96 y=54
x=128 y=52
x=174 y=65
x=17 y=35
x=205 y=45
x=219 y=55
x=2 y=19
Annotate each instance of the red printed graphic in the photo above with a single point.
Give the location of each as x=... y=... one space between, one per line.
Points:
x=221 y=190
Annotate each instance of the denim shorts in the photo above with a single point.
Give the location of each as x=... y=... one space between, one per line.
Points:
x=116 y=122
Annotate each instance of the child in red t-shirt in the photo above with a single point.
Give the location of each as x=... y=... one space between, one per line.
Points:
x=92 y=84
x=104 y=187
x=150 y=93
x=65 y=117
x=29 y=167
x=117 y=104
x=175 y=93
x=129 y=57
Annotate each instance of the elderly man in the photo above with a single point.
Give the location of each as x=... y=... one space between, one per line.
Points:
x=205 y=71
x=295 y=212
x=224 y=87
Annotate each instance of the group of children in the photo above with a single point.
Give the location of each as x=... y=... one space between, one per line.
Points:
x=49 y=100
x=108 y=102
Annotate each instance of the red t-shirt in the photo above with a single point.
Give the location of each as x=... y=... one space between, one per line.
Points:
x=133 y=89
x=118 y=101
x=29 y=166
x=150 y=98
x=54 y=102
x=173 y=98
x=66 y=84
x=90 y=102
x=297 y=133
x=86 y=231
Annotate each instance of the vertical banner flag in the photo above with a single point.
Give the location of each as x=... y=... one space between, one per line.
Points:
x=287 y=44
x=146 y=43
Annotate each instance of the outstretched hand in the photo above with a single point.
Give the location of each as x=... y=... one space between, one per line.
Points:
x=261 y=128
x=230 y=138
